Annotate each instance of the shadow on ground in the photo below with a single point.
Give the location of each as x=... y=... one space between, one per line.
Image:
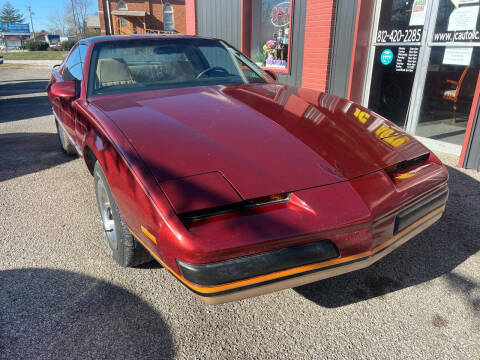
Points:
x=25 y=153
x=26 y=107
x=22 y=87
x=48 y=314
x=433 y=253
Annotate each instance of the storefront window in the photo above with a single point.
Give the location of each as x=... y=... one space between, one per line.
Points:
x=433 y=40
x=457 y=21
x=271 y=29
x=452 y=72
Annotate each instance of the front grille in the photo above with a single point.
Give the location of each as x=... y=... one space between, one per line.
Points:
x=417 y=211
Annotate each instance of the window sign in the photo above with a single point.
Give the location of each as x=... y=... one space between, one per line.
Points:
x=401 y=21
x=458 y=21
x=457 y=56
x=457 y=3
x=464 y=18
x=407 y=58
x=275 y=32
x=419 y=10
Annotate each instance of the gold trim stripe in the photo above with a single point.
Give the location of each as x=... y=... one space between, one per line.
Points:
x=292 y=271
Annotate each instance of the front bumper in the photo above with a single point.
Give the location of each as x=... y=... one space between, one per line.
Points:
x=248 y=276
x=313 y=272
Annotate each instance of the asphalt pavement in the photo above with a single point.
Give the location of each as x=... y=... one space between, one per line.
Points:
x=63 y=297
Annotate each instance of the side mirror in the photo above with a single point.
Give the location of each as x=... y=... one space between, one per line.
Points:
x=272 y=74
x=64 y=89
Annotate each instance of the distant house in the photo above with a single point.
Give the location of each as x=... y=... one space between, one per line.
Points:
x=93 y=24
x=51 y=39
x=41 y=36
x=123 y=17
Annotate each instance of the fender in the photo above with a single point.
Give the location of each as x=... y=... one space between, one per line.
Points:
x=129 y=178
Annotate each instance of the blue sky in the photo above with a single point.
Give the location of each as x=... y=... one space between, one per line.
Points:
x=42 y=9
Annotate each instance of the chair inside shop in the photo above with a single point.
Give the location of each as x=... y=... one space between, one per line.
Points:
x=452 y=91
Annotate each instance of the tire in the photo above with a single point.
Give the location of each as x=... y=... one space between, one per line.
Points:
x=126 y=250
x=65 y=143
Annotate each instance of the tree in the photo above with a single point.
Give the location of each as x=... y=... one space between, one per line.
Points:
x=79 y=12
x=72 y=19
x=10 y=15
x=60 y=24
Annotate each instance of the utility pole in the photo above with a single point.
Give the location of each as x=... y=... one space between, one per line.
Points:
x=31 y=21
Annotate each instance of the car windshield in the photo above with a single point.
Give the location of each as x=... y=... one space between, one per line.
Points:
x=151 y=64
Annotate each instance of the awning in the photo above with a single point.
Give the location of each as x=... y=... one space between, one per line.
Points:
x=129 y=13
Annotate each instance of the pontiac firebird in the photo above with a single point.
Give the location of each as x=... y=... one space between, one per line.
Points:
x=236 y=184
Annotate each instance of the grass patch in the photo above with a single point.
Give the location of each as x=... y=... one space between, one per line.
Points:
x=35 y=55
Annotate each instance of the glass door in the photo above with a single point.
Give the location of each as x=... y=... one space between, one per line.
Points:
x=444 y=102
x=424 y=67
x=397 y=51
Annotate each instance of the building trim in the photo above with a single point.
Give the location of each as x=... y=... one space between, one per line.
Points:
x=354 y=48
x=467 y=141
x=191 y=17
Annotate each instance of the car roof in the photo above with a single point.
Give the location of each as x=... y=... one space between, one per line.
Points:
x=96 y=39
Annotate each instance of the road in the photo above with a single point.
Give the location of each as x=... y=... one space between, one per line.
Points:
x=62 y=296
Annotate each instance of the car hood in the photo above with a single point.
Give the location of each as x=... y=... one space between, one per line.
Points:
x=263 y=138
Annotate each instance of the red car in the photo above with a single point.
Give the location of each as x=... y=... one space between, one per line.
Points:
x=236 y=184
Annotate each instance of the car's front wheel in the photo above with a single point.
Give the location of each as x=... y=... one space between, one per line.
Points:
x=125 y=248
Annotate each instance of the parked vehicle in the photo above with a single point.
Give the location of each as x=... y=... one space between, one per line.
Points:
x=236 y=184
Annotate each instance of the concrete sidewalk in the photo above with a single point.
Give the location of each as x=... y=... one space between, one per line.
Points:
x=42 y=63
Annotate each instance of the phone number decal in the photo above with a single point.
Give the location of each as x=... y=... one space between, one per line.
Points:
x=408 y=35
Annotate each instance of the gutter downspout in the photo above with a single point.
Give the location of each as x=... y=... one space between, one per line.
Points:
x=109 y=18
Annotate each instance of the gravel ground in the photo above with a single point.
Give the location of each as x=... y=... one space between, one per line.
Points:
x=62 y=296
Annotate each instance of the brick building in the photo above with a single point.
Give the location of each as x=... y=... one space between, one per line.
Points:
x=415 y=62
x=123 y=17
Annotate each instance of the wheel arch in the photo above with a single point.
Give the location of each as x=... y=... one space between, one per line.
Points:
x=135 y=191
x=98 y=147
x=89 y=158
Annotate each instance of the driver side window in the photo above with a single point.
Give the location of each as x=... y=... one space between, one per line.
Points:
x=73 y=67
x=219 y=57
x=247 y=67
